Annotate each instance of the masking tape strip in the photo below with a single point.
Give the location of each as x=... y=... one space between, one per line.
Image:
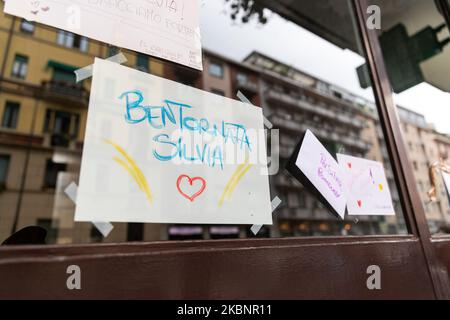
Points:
x=103 y=227
x=244 y=99
x=256 y=227
x=86 y=72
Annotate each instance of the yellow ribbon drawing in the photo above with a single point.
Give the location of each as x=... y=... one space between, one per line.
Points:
x=132 y=168
x=241 y=170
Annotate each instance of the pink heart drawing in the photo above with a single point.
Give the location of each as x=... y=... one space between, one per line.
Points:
x=349 y=165
x=45 y=9
x=195 y=194
x=359 y=203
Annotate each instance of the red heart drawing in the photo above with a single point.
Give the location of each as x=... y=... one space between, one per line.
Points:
x=359 y=203
x=349 y=165
x=191 y=182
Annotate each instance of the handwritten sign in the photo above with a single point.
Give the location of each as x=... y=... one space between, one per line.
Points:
x=323 y=172
x=168 y=29
x=368 y=187
x=159 y=151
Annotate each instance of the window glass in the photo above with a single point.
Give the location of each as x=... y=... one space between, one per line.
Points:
x=4 y=166
x=302 y=72
x=415 y=42
x=27 y=26
x=216 y=69
x=10 y=115
x=142 y=63
x=71 y=40
x=20 y=66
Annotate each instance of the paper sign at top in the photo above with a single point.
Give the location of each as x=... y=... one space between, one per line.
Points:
x=368 y=187
x=167 y=29
x=322 y=170
x=163 y=152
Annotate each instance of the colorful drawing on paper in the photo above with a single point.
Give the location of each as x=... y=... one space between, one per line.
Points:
x=132 y=168
x=186 y=140
x=200 y=188
x=241 y=170
x=366 y=181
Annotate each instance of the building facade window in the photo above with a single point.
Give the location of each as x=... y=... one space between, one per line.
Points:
x=61 y=75
x=142 y=62
x=71 y=40
x=63 y=127
x=52 y=169
x=27 y=26
x=216 y=69
x=112 y=50
x=20 y=66
x=4 y=166
x=10 y=115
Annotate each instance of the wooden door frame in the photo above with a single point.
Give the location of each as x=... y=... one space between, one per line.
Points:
x=325 y=267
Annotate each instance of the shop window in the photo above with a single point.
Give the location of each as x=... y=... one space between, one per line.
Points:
x=20 y=66
x=10 y=115
x=27 y=26
x=4 y=166
x=216 y=69
x=52 y=169
x=72 y=40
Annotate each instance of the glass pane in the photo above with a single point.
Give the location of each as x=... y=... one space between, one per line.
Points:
x=415 y=41
x=303 y=73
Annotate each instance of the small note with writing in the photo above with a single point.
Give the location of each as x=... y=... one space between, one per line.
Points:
x=161 y=28
x=323 y=172
x=368 y=187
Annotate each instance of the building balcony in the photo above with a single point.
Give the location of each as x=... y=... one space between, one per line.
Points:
x=298 y=127
x=66 y=93
x=315 y=109
x=60 y=141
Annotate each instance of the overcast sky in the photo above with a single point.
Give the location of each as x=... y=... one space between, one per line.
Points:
x=295 y=46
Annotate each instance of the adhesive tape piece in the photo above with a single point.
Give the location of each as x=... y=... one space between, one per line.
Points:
x=104 y=228
x=71 y=191
x=244 y=99
x=86 y=72
x=256 y=227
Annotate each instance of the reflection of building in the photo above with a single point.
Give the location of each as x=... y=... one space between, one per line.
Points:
x=43 y=114
x=294 y=101
x=426 y=146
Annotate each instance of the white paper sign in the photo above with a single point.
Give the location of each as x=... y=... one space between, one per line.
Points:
x=368 y=187
x=319 y=166
x=168 y=29
x=159 y=151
